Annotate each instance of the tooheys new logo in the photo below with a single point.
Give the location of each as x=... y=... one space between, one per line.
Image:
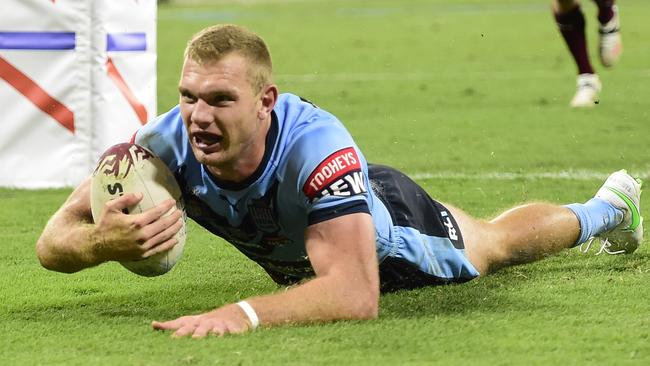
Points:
x=339 y=175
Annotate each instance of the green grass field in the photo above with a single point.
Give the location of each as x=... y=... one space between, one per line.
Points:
x=470 y=97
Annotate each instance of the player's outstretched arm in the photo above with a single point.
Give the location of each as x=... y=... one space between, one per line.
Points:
x=342 y=253
x=71 y=241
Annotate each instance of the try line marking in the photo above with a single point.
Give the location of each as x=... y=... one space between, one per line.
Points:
x=583 y=175
x=419 y=76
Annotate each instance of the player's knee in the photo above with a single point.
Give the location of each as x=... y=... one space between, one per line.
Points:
x=488 y=250
x=486 y=242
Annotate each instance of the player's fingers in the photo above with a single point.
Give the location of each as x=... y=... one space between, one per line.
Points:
x=160 y=248
x=185 y=330
x=156 y=325
x=163 y=237
x=164 y=225
x=154 y=213
x=168 y=325
x=235 y=328
x=122 y=202
x=161 y=325
x=219 y=329
x=203 y=329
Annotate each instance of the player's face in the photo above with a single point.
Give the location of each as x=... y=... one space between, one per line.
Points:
x=226 y=119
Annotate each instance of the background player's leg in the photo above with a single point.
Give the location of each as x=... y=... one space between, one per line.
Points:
x=571 y=23
x=605 y=10
x=610 y=44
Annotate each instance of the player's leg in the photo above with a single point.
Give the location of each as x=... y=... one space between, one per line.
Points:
x=520 y=235
x=571 y=23
x=534 y=231
x=610 y=44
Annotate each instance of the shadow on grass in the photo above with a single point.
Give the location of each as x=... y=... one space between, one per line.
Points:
x=91 y=301
x=490 y=294
x=536 y=287
x=541 y=286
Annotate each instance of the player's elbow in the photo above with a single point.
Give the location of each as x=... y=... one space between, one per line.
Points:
x=369 y=309
x=44 y=255
x=47 y=258
x=367 y=306
x=364 y=303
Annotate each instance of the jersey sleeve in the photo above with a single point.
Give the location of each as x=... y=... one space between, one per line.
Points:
x=329 y=171
x=166 y=137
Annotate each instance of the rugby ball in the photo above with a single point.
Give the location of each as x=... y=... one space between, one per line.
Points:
x=126 y=168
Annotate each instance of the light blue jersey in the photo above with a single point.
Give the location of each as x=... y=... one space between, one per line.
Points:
x=312 y=171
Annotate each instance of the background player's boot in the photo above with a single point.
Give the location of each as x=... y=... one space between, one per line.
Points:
x=588 y=88
x=623 y=192
x=611 y=45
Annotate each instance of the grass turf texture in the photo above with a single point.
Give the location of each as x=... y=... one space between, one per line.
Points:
x=475 y=88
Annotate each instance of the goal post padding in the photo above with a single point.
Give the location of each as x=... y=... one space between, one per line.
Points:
x=76 y=76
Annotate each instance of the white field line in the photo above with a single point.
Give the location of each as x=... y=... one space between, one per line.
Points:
x=360 y=8
x=372 y=9
x=580 y=175
x=241 y=2
x=419 y=76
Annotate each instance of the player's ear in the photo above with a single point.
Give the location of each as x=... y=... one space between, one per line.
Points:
x=268 y=97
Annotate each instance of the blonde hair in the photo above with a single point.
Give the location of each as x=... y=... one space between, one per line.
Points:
x=215 y=42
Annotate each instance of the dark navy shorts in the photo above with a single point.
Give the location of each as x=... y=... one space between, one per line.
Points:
x=427 y=245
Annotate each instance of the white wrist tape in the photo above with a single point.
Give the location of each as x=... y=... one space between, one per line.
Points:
x=250 y=313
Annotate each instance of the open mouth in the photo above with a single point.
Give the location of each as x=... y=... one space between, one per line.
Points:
x=206 y=140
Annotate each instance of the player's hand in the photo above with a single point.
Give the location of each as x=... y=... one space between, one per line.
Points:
x=119 y=236
x=228 y=319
